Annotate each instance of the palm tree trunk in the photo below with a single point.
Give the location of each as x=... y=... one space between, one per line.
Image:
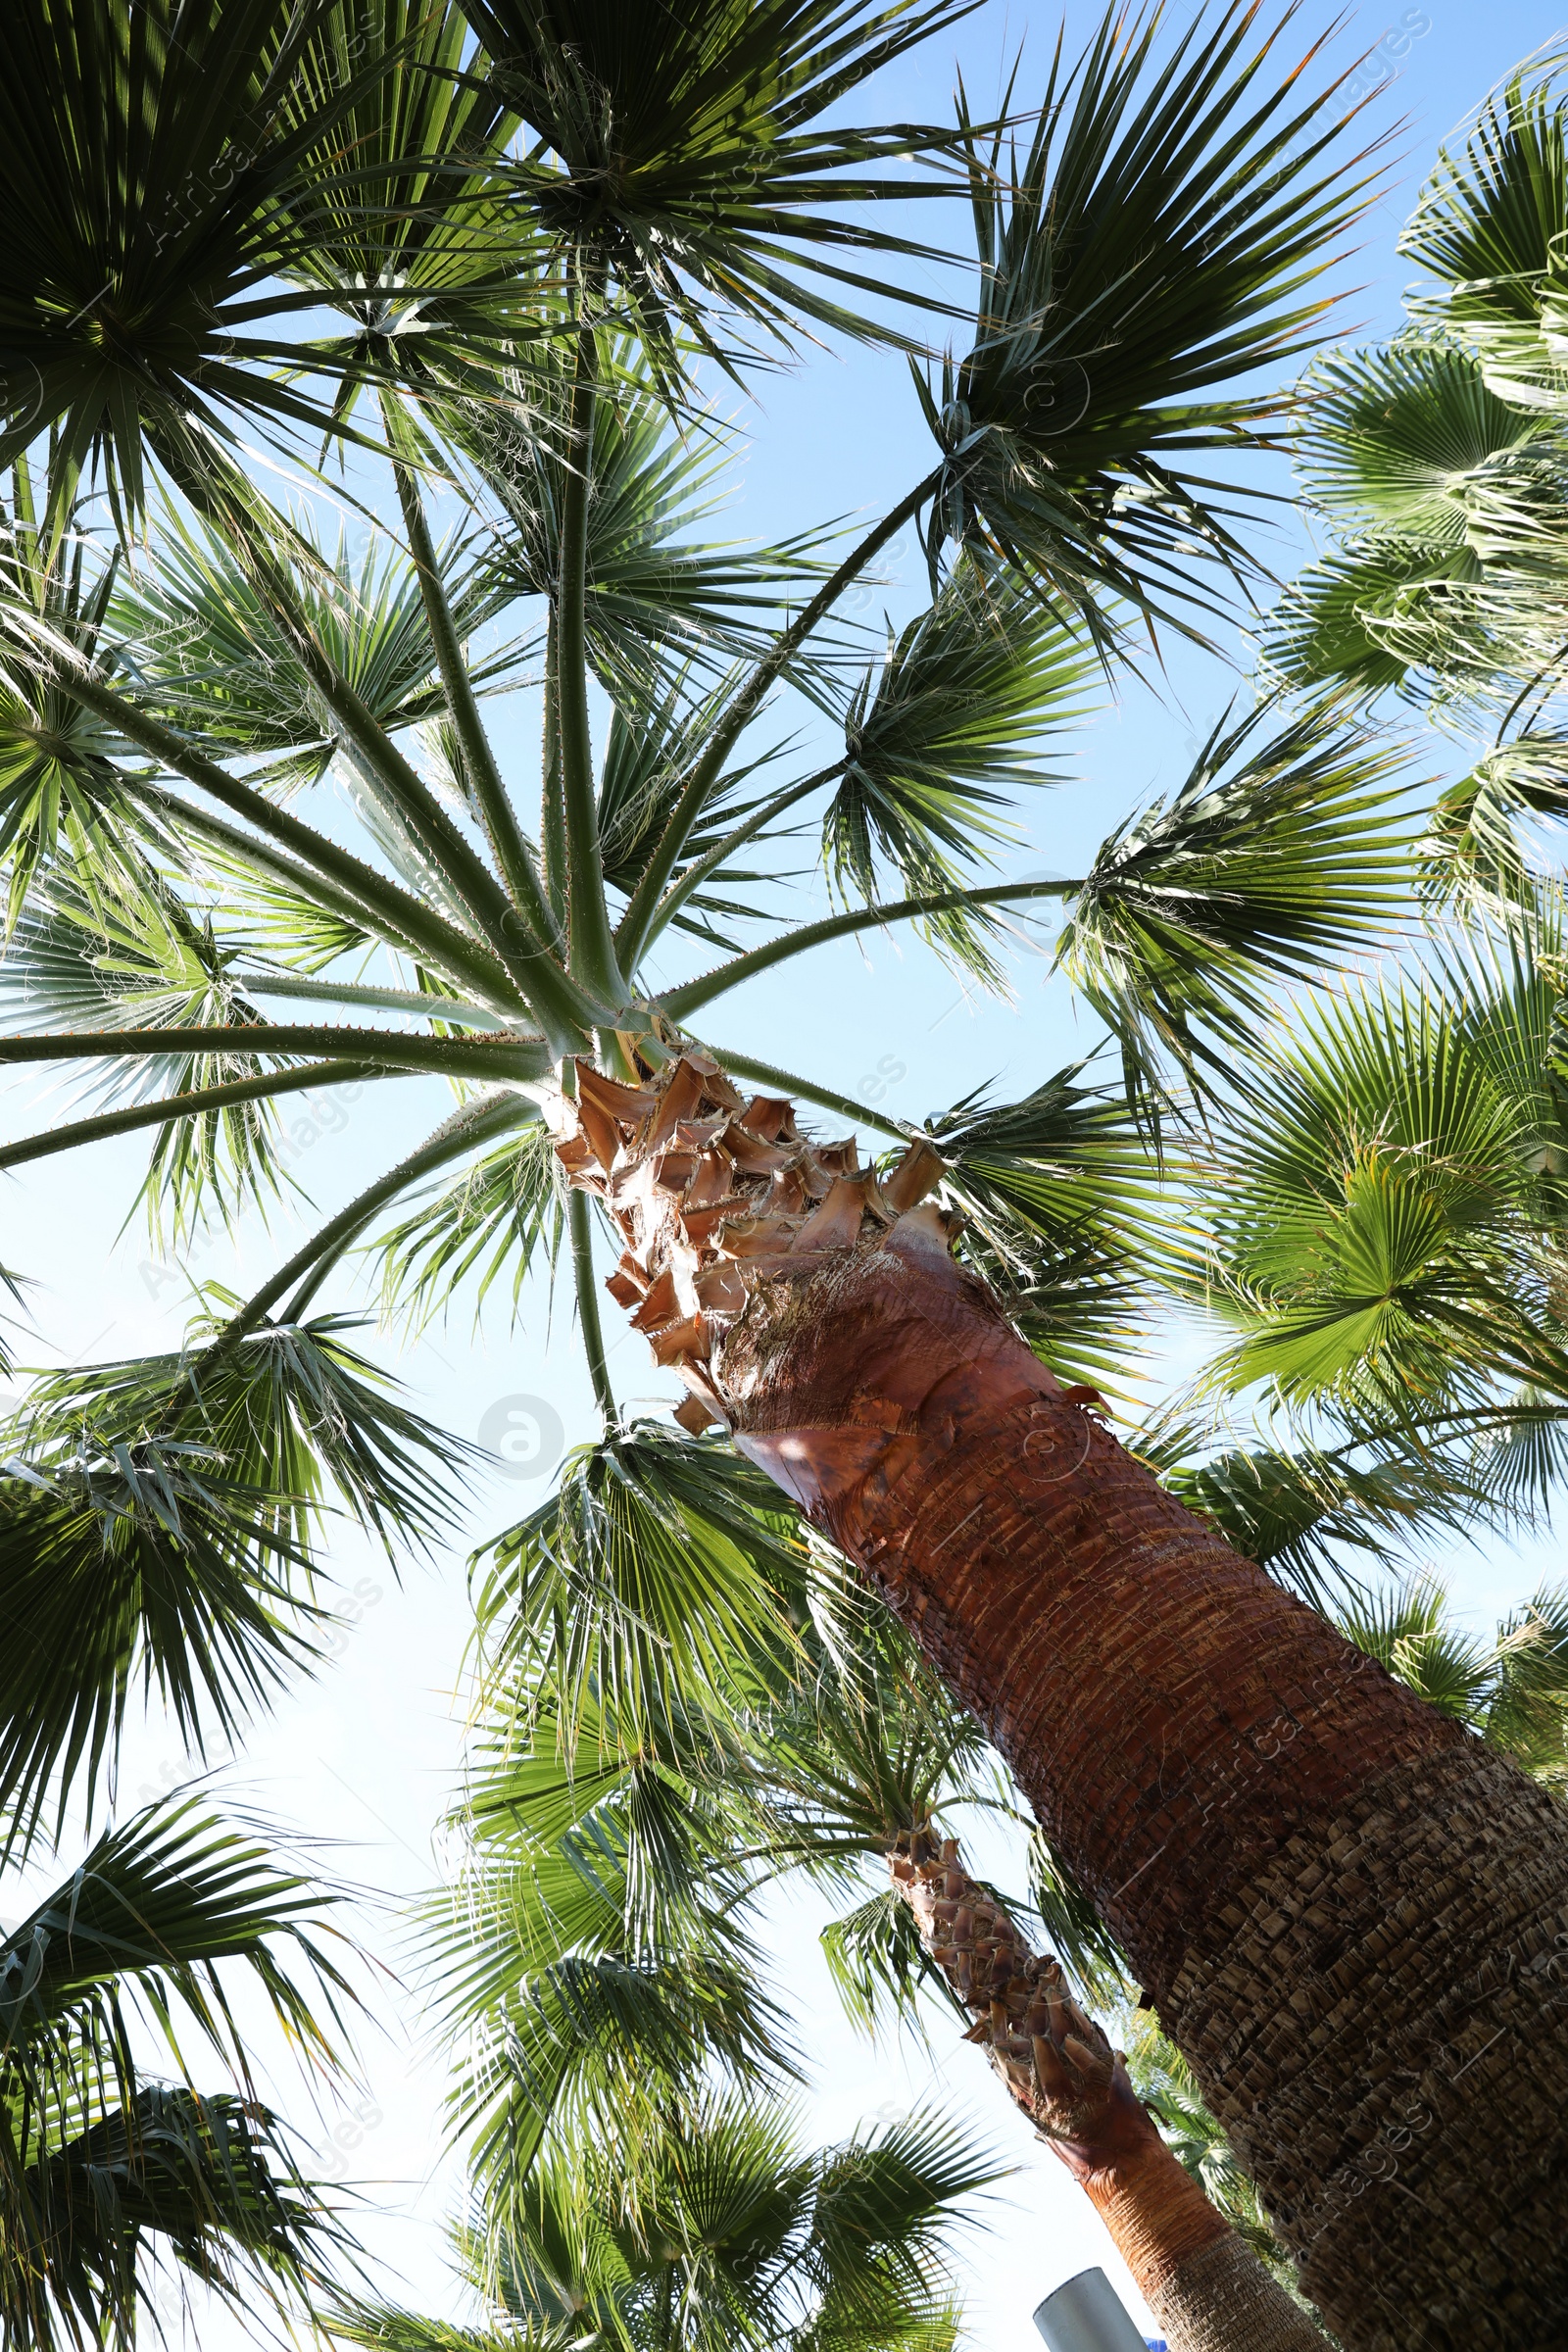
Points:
x=1206 y=2287
x=1351 y=1916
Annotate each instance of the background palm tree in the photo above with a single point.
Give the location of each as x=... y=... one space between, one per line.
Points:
x=607 y=1841
x=189 y=200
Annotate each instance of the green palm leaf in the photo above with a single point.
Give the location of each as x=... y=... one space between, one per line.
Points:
x=202 y=2186
x=660 y=1570
x=208 y=653
x=940 y=739
x=1489 y=227
x=1278 y=852
x=505 y=1211
x=156 y=201
x=1378 y=1231
x=1332 y=626
x=412 y=241
x=1410 y=441
x=105 y=2175
x=1148 y=247
x=158 y=1518
x=680 y=162
x=1472 y=852
x=660 y=595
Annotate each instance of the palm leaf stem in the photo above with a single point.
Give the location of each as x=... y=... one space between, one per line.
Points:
x=225 y=508
x=551 y=810
x=370 y=892
x=471 y=1124
x=380 y=1000
x=462 y=961
x=635 y=927
x=503 y=1057
x=697 y=874
x=186 y=1106
x=677 y=1002
x=579 y=1217
x=510 y=851
x=766 y=1073
x=592 y=954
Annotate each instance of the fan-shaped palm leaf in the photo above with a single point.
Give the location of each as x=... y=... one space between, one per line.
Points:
x=680 y=161
x=659 y=1573
x=938 y=742
x=1275 y=855
x=1148 y=246
x=156 y=200
x=1489 y=227
x=157 y=1514
x=657 y=593
x=1381 y=1237
x=104 y=2176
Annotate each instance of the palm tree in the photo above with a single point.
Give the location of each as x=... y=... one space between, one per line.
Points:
x=519 y=257
x=860 y=1762
x=111 y=2178
x=627 y=1804
x=722 y=2231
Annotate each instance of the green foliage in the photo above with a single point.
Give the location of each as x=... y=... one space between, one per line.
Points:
x=1055 y=1192
x=138 y=297
x=505 y=1211
x=211 y=657
x=1146 y=246
x=107 y=2176
x=1279 y=852
x=721 y=2227
x=679 y=162
x=938 y=742
x=1511 y=1689
x=1380 y=1206
x=659 y=596
x=159 y=1514
x=660 y=1576
x=1488 y=229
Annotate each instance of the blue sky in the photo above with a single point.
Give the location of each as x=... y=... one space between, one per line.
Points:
x=366 y=1755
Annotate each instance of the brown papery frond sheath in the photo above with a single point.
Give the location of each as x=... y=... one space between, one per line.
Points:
x=1350 y=1915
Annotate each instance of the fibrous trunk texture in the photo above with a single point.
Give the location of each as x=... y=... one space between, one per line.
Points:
x=1349 y=1915
x=1206 y=2288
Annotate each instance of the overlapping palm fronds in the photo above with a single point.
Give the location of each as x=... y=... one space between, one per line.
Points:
x=110 y=2178
x=724 y=2227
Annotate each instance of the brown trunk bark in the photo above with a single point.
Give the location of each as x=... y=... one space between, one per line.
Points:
x=1351 y=1917
x=1208 y=2289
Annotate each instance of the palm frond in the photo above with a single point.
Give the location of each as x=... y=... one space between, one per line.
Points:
x=939 y=743
x=158 y=1516
x=506 y=1211
x=1487 y=226
x=659 y=1575
x=157 y=198
x=681 y=164
x=1409 y=442
x=1148 y=247
x=1332 y=626
x=106 y=2177
x=1280 y=851
x=660 y=595
x=1472 y=852
x=1377 y=1227
x=199 y=2187
x=208 y=653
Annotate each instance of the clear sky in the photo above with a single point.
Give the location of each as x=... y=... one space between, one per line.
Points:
x=360 y=1764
